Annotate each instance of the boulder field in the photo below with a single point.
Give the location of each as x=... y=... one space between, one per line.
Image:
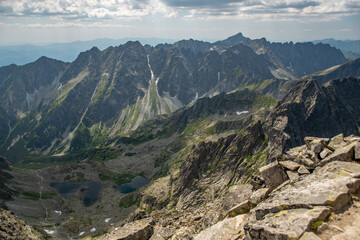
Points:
x=310 y=192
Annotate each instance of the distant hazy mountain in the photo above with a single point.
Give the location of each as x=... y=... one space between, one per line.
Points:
x=67 y=52
x=350 y=48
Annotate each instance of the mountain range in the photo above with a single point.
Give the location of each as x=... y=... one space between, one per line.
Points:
x=350 y=48
x=120 y=87
x=205 y=124
x=67 y=52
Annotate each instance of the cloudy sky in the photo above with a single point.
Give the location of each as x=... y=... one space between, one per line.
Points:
x=46 y=21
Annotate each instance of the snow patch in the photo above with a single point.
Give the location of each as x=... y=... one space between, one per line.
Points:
x=51 y=232
x=195 y=99
x=93 y=230
x=243 y=112
x=107 y=220
x=58 y=212
x=82 y=233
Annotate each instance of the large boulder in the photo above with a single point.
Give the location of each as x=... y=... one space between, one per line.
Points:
x=286 y=224
x=357 y=151
x=138 y=230
x=228 y=229
x=273 y=174
x=345 y=153
x=292 y=208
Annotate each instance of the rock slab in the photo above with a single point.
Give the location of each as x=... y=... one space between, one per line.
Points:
x=138 y=230
x=228 y=229
x=273 y=174
x=293 y=206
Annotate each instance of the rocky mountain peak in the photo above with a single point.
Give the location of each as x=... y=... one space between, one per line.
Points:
x=307 y=107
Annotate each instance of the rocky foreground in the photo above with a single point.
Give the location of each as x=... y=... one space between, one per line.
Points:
x=310 y=192
x=13 y=228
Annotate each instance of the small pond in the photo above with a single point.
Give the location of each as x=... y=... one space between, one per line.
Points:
x=90 y=191
x=137 y=182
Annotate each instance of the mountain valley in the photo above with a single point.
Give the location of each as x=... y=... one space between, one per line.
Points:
x=194 y=123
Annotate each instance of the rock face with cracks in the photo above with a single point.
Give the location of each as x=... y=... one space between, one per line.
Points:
x=137 y=230
x=291 y=210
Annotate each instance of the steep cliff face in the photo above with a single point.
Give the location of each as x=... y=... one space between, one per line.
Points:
x=212 y=166
x=313 y=110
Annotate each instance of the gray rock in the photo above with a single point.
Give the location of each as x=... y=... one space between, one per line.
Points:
x=337 y=142
x=302 y=170
x=357 y=151
x=293 y=176
x=236 y=195
x=257 y=181
x=308 y=140
x=352 y=138
x=290 y=211
x=273 y=175
x=318 y=144
x=324 y=153
x=137 y=215
x=293 y=166
x=309 y=236
x=162 y=233
x=285 y=224
x=307 y=162
x=241 y=208
x=228 y=229
x=209 y=219
x=259 y=195
x=340 y=154
x=182 y=234
x=138 y=230
x=330 y=186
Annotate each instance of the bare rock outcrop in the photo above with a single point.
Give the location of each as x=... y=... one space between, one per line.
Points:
x=138 y=230
x=228 y=229
x=313 y=110
x=325 y=184
x=13 y=228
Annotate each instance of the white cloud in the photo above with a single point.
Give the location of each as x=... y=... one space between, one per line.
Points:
x=261 y=10
x=90 y=9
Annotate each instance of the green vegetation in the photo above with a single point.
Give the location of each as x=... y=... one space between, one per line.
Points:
x=193 y=126
x=117 y=178
x=265 y=101
x=41 y=161
x=65 y=90
x=34 y=196
x=101 y=89
x=164 y=156
x=252 y=164
x=99 y=136
x=81 y=138
x=129 y=200
x=315 y=225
